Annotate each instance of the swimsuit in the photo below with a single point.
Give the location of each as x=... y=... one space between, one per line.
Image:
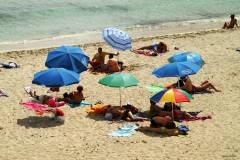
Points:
x=125 y=114
x=163 y=130
x=154 y=47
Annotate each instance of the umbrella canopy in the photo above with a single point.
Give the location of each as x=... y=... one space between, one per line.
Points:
x=119 y=80
x=56 y=77
x=187 y=57
x=172 y=95
x=68 y=57
x=117 y=39
x=177 y=69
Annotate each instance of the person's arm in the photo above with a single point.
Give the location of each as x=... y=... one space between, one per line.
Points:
x=236 y=23
x=173 y=134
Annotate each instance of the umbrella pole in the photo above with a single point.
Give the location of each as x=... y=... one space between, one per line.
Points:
x=172 y=113
x=120 y=97
x=179 y=88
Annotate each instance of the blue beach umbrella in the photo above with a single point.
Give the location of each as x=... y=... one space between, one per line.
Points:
x=177 y=69
x=56 y=77
x=187 y=57
x=117 y=39
x=68 y=57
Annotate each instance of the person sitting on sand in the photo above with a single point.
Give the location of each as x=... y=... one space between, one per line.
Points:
x=154 y=108
x=120 y=113
x=43 y=99
x=162 y=130
x=98 y=60
x=74 y=97
x=152 y=50
x=190 y=88
x=157 y=121
x=112 y=65
x=232 y=22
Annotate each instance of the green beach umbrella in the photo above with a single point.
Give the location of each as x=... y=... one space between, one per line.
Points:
x=119 y=80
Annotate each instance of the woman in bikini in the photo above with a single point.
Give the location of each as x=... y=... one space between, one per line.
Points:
x=190 y=88
x=152 y=50
x=162 y=130
x=232 y=22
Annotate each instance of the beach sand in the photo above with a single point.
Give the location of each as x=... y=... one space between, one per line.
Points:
x=25 y=135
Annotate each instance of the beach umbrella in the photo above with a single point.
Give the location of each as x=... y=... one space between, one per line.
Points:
x=119 y=80
x=187 y=57
x=68 y=57
x=172 y=95
x=117 y=39
x=56 y=77
x=177 y=69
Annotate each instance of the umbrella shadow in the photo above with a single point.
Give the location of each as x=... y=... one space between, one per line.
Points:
x=96 y=117
x=38 y=122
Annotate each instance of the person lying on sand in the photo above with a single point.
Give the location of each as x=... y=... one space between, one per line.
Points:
x=120 y=113
x=43 y=99
x=152 y=50
x=190 y=88
x=162 y=130
x=177 y=114
x=157 y=121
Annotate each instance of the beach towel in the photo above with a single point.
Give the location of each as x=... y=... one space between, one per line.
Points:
x=147 y=53
x=80 y=104
x=197 y=118
x=125 y=131
x=154 y=88
x=38 y=108
x=97 y=109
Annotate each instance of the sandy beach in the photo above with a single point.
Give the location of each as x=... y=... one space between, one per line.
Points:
x=25 y=135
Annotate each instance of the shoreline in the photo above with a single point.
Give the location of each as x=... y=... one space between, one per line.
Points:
x=148 y=32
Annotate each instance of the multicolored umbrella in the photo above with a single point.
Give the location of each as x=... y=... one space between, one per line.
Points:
x=172 y=95
x=187 y=57
x=68 y=57
x=119 y=80
x=117 y=39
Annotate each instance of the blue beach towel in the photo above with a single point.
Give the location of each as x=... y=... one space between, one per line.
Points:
x=125 y=131
x=80 y=104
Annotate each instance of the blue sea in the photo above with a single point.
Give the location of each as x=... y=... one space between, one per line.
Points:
x=23 y=21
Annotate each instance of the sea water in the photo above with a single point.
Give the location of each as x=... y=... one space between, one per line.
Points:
x=26 y=21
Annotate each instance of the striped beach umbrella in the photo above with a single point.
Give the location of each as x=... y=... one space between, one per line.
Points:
x=117 y=39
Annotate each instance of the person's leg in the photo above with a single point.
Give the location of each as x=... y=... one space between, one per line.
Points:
x=149 y=129
x=209 y=85
x=186 y=115
x=226 y=24
x=133 y=118
x=204 y=83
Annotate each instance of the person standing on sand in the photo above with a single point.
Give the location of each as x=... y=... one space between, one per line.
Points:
x=232 y=22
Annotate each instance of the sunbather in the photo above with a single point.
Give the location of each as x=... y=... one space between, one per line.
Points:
x=74 y=97
x=162 y=130
x=177 y=114
x=154 y=108
x=43 y=99
x=158 y=121
x=120 y=113
x=190 y=88
x=152 y=50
